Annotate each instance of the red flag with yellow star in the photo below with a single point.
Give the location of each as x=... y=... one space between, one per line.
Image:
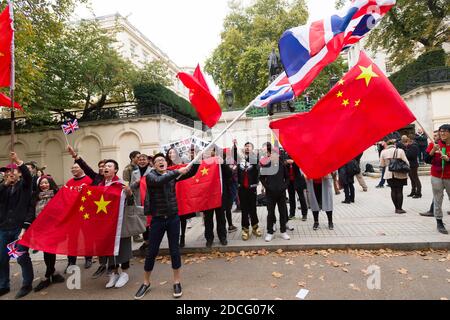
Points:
x=79 y=223
x=201 y=192
x=208 y=110
x=360 y=110
x=6 y=36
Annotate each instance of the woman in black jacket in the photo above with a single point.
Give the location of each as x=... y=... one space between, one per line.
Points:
x=412 y=153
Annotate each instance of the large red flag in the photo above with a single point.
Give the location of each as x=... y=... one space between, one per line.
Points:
x=359 y=111
x=6 y=36
x=201 y=192
x=86 y=223
x=5 y=101
x=205 y=104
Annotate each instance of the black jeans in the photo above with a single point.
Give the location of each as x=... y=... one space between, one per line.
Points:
x=229 y=215
x=50 y=261
x=209 y=224
x=349 y=190
x=73 y=260
x=415 y=181
x=292 y=200
x=247 y=198
x=6 y=237
x=272 y=201
x=161 y=225
x=397 y=197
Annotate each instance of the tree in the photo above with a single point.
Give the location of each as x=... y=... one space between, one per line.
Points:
x=153 y=72
x=239 y=63
x=411 y=28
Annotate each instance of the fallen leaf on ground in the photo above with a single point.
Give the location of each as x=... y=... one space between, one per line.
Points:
x=310 y=276
x=279 y=251
x=448 y=280
x=277 y=275
x=162 y=283
x=307 y=266
x=352 y=285
x=425 y=277
x=448 y=270
x=313 y=263
x=303 y=284
x=44 y=293
x=428 y=258
x=322 y=278
x=409 y=278
x=278 y=299
x=442 y=260
x=274 y=263
x=345 y=270
x=403 y=271
x=347 y=263
x=273 y=285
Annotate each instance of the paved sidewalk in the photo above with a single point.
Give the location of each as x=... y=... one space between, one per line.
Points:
x=369 y=223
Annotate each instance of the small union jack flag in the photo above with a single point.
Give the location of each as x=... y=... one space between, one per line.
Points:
x=70 y=127
x=13 y=250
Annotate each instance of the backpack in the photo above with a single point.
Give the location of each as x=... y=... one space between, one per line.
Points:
x=369 y=168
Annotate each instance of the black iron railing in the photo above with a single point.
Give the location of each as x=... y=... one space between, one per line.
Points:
x=300 y=106
x=430 y=76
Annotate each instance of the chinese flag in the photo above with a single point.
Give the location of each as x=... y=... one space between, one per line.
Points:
x=86 y=223
x=360 y=110
x=5 y=101
x=208 y=110
x=6 y=36
x=201 y=192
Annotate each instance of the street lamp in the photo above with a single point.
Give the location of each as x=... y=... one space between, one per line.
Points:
x=229 y=98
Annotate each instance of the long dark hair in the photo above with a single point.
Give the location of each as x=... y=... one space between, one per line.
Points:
x=51 y=182
x=170 y=162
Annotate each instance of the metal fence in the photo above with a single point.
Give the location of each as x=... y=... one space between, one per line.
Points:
x=430 y=76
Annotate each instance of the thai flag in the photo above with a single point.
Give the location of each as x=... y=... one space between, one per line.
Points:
x=70 y=127
x=279 y=91
x=307 y=49
x=13 y=250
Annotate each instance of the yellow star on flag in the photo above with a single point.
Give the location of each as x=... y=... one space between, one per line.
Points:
x=86 y=217
x=339 y=94
x=89 y=193
x=367 y=74
x=205 y=171
x=101 y=205
x=83 y=199
x=357 y=103
x=341 y=82
x=346 y=102
x=82 y=208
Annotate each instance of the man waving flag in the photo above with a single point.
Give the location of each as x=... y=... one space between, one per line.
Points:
x=307 y=49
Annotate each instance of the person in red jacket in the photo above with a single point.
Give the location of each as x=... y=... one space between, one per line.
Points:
x=440 y=173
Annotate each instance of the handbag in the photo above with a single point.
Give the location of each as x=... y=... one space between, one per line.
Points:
x=134 y=221
x=398 y=165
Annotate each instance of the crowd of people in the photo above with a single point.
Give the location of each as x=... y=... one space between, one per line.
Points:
x=25 y=190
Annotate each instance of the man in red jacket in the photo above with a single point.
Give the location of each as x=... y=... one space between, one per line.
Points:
x=440 y=173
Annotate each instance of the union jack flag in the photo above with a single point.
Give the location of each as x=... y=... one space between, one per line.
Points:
x=279 y=91
x=306 y=50
x=13 y=250
x=70 y=127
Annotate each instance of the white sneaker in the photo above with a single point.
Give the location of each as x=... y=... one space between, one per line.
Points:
x=113 y=278
x=189 y=224
x=289 y=227
x=269 y=237
x=274 y=227
x=123 y=280
x=285 y=236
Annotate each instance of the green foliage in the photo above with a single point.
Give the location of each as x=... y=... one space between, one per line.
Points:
x=426 y=61
x=150 y=95
x=153 y=72
x=240 y=62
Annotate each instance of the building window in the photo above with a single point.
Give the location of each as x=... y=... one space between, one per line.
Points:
x=133 y=49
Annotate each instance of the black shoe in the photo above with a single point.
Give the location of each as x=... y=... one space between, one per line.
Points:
x=346 y=201
x=224 y=242
x=441 y=227
x=4 y=291
x=417 y=196
x=412 y=194
x=143 y=247
x=57 y=278
x=42 y=285
x=427 y=214
x=291 y=217
x=24 y=291
x=232 y=229
x=101 y=270
x=304 y=217
x=88 y=264
x=352 y=201
x=316 y=226
x=177 y=290
x=209 y=243
x=142 y=292
x=331 y=226
x=379 y=187
x=182 y=242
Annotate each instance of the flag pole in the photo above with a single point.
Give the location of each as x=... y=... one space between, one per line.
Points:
x=13 y=79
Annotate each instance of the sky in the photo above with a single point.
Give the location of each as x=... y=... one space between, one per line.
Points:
x=186 y=30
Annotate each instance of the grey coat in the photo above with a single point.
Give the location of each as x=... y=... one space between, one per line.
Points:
x=135 y=184
x=327 y=194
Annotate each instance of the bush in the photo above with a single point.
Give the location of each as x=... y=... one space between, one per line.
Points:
x=151 y=95
x=428 y=60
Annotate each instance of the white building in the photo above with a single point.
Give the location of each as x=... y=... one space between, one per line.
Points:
x=136 y=47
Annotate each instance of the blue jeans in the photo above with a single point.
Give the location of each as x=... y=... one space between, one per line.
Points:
x=159 y=226
x=6 y=237
x=382 y=181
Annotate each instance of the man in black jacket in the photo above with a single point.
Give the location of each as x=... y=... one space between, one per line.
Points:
x=163 y=207
x=412 y=153
x=297 y=184
x=275 y=179
x=248 y=179
x=15 y=217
